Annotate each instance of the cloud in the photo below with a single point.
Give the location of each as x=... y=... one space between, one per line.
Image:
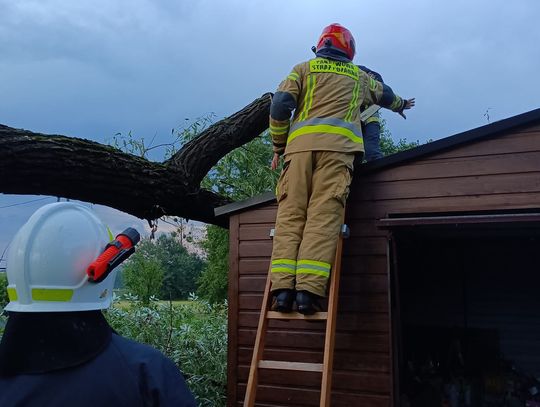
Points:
x=92 y=69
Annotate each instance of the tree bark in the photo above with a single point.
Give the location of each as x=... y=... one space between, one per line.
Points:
x=202 y=153
x=33 y=163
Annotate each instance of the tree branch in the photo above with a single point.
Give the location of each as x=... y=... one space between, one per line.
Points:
x=203 y=152
x=33 y=163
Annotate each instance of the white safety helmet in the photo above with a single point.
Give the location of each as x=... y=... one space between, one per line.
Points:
x=48 y=258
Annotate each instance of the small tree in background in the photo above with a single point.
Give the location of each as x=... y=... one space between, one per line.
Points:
x=214 y=278
x=181 y=268
x=143 y=275
x=176 y=269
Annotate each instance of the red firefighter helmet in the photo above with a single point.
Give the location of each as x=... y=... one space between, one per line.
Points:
x=338 y=37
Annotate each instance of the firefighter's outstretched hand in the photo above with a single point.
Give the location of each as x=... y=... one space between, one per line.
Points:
x=409 y=103
x=275 y=161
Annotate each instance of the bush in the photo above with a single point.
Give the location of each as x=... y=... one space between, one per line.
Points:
x=192 y=334
x=4 y=299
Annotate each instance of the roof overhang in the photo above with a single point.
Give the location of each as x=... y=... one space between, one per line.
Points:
x=474 y=135
x=262 y=199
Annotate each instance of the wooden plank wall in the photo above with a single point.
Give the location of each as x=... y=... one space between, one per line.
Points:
x=495 y=174
x=361 y=357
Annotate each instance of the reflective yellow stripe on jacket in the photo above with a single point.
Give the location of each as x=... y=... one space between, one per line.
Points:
x=278 y=130
x=354 y=102
x=309 y=97
x=326 y=125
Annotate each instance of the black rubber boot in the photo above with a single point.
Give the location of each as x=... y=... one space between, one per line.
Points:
x=283 y=300
x=307 y=303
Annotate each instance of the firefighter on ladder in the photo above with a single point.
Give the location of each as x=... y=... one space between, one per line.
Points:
x=319 y=147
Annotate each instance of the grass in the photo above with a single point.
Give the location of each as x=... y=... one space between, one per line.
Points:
x=123 y=304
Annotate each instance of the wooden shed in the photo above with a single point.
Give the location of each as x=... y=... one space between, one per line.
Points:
x=440 y=287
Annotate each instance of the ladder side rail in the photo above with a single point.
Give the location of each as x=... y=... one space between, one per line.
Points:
x=258 y=349
x=330 y=335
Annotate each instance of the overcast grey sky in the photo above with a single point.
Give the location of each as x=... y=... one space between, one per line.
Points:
x=94 y=68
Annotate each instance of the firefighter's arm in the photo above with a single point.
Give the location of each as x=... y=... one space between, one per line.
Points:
x=383 y=95
x=375 y=75
x=283 y=104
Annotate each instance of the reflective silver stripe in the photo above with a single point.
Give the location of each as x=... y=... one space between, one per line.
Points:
x=325 y=274
x=333 y=121
x=283 y=265
x=318 y=268
x=283 y=268
x=289 y=266
x=313 y=267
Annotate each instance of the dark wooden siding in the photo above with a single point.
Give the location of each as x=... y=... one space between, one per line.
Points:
x=497 y=174
x=362 y=365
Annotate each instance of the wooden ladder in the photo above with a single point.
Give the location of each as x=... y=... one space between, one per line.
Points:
x=325 y=368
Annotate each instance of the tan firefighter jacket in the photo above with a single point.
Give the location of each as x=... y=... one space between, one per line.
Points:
x=326 y=96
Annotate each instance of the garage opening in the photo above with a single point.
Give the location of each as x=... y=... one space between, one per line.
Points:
x=466 y=312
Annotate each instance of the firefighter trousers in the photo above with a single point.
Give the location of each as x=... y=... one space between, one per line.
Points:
x=311 y=195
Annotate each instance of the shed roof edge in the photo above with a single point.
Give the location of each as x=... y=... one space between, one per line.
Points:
x=261 y=199
x=446 y=143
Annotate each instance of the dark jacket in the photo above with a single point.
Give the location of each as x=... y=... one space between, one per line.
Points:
x=123 y=373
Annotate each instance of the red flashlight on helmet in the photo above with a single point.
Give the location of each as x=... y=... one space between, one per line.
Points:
x=114 y=254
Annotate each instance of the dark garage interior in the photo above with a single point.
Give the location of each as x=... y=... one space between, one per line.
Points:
x=466 y=315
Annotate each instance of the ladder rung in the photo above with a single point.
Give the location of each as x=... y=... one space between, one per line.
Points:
x=306 y=367
x=321 y=316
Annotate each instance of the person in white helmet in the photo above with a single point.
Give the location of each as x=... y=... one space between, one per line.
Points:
x=57 y=348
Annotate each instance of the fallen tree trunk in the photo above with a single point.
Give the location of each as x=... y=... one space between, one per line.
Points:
x=38 y=164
